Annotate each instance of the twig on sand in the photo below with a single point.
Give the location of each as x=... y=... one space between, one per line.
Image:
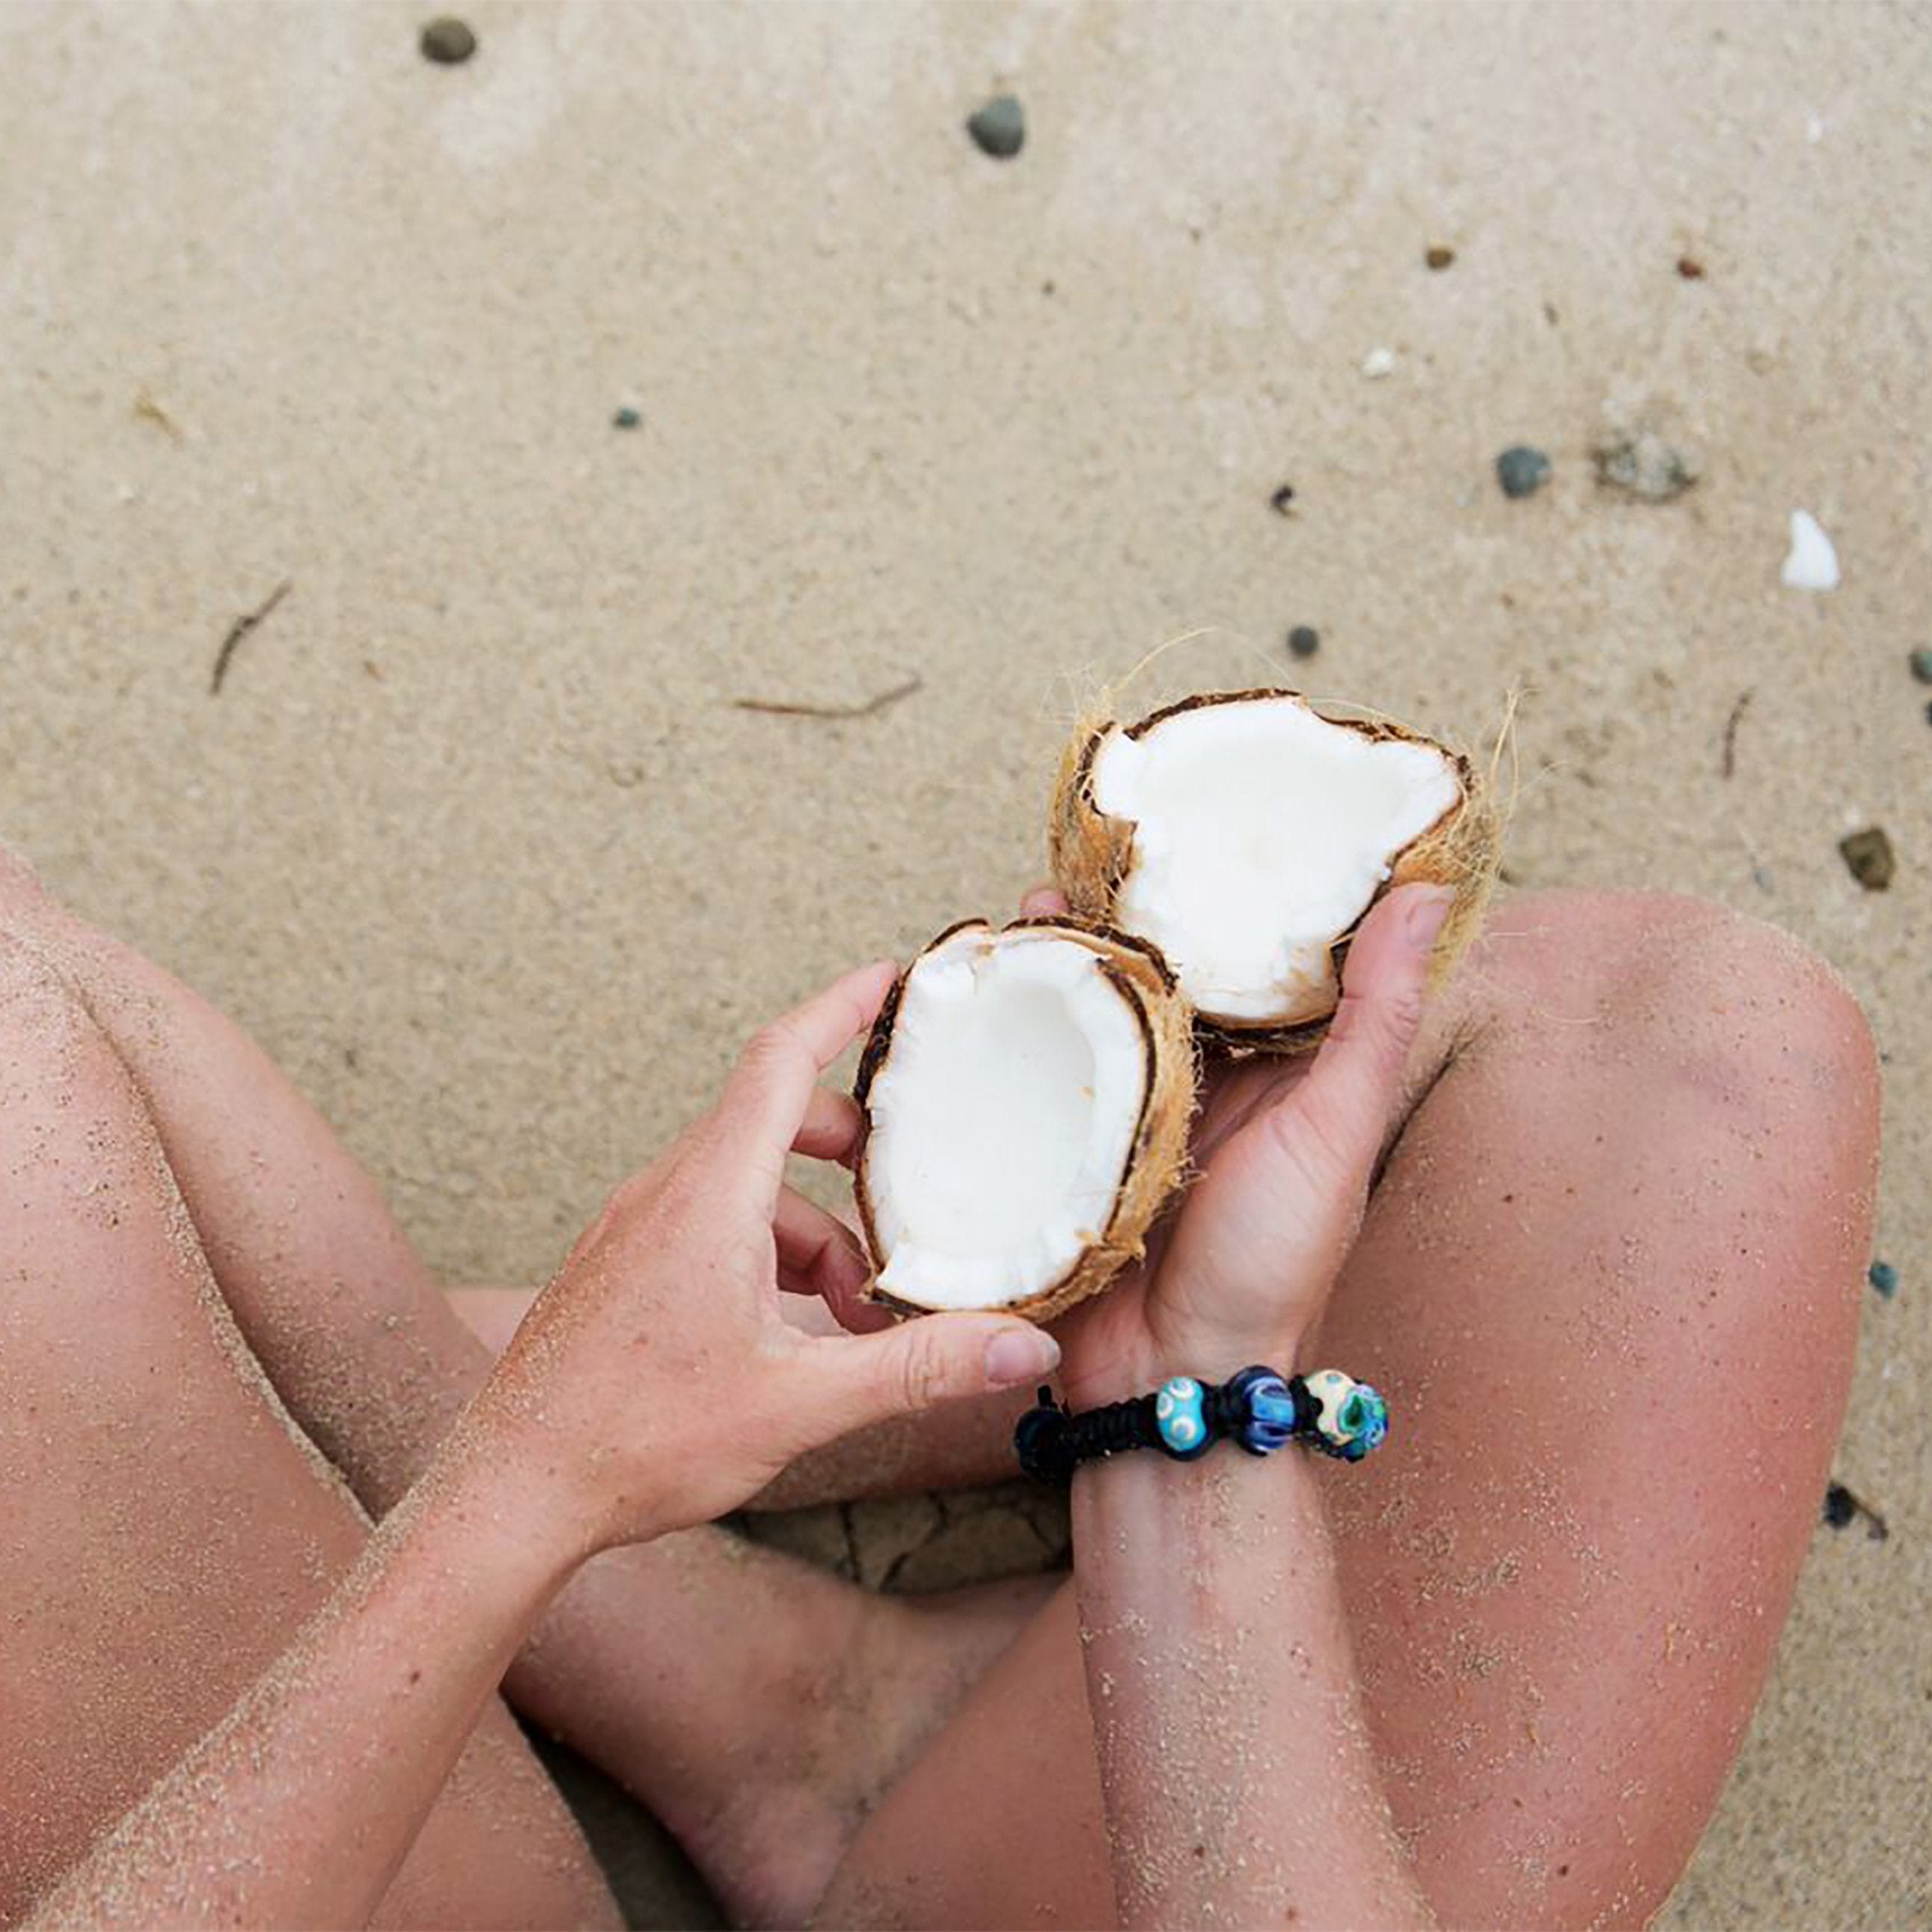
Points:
x=1731 y=724
x=146 y=409
x=240 y=629
x=772 y=707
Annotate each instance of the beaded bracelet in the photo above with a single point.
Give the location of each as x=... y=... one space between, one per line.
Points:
x=1258 y=1408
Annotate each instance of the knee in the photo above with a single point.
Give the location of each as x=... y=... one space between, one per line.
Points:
x=1739 y=1009
x=41 y=1015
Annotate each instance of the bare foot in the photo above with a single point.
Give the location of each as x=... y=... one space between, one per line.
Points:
x=857 y=1724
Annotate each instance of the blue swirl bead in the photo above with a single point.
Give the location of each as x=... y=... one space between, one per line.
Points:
x=1180 y=1415
x=1262 y=1406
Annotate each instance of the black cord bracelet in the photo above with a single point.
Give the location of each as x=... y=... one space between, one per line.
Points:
x=1259 y=1408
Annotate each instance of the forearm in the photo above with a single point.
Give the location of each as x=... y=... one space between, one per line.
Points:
x=1240 y=1785
x=299 y=1808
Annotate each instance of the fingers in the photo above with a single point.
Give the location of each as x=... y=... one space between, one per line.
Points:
x=1043 y=902
x=1346 y=1104
x=768 y=1099
x=831 y=1127
x=916 y=1365
x=819 y=1255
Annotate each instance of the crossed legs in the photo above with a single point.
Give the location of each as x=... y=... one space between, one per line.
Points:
x=1606 y=1281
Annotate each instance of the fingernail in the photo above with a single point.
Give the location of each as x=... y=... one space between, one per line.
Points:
x=1019 y=1355
x=1423 y=912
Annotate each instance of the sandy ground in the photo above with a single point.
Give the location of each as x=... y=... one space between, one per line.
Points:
x=476 y=840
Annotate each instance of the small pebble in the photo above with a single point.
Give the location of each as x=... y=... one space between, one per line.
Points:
x=1282 y=502
x=1868 y=856
x=1379 y=363
x=1839 y=1508
x=628 y=418
x=1304 y=640
x=447 y=41
x=1436 y=257
x=1921 y=662
x=1646 y=465
x=1884 y=1277
x=1522 y=471
x=1690 y=268
x=999 y=128
x=1812 y=562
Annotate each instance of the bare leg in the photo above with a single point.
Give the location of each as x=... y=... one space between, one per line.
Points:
x=756 y=1705
x=165 y=1530
x=1609 y=1284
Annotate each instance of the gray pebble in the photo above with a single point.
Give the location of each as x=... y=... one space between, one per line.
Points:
x=1522 y=471
x=1921 y=662
x=1304 y=640
x=447 y=41
x=999 y=128
x=627 y=417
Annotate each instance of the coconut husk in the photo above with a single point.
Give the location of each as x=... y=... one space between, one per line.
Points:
x=1091 y=853
x=1156 y=1161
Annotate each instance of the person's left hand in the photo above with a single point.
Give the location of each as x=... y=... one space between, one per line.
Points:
x=1284 y=1148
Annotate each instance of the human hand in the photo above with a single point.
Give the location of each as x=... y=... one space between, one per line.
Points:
x=1284 y=1148
x=655 y=1384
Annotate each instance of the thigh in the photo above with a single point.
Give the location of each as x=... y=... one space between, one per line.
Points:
x=1608 y=1282
x=163 y=1527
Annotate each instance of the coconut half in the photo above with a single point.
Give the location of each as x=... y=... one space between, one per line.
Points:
x=1026 y=1094
x=1244 y=835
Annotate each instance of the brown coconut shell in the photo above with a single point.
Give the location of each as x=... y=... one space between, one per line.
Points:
x=1157 y=1157
x=1092 y=854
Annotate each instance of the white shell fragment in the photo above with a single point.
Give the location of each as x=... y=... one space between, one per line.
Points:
x=1811 y=563
x=1379 y=363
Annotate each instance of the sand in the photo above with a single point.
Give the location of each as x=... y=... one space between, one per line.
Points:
x=474 y=836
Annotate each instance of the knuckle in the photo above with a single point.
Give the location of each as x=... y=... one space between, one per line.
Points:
x=923 y=1379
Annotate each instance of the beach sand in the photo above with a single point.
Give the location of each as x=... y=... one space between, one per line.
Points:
x=475 y=836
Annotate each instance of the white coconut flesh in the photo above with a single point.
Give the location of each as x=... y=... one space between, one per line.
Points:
x=1260 y=833
x=1002 y=1119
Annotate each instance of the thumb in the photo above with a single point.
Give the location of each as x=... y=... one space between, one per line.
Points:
x=923 y=1362
x=1351 y=1093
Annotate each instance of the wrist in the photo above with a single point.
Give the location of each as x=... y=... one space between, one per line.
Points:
x=515 y=1483
x=1091 y=1378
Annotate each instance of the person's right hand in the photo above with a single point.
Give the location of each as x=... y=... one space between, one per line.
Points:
x=655 y=1384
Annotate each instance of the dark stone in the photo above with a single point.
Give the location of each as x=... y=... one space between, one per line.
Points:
x=447 y=41
x=1868 y=855
x=1921 y=662
x=1304 y=640
x=1839 y=1506
x=1884 y=1277
x=1522 y=471
x=1690 y=268
x=1282 y=502
x=999 y=128
x=1437 y=257
x=627 y=417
